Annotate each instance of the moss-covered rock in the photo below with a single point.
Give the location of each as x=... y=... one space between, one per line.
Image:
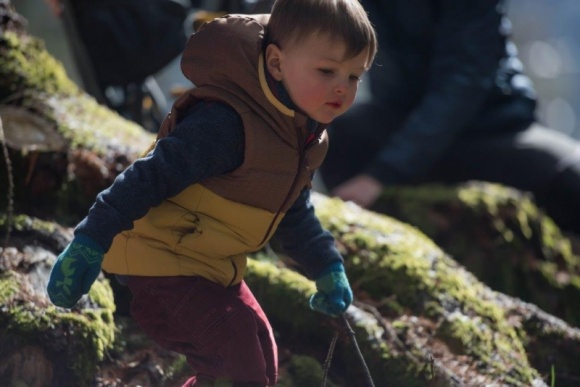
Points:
x=420 y=317
x=553 y=347
x=40 y=344
x=441 y=302
x=500 y=235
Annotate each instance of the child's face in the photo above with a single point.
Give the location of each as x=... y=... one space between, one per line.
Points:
x=320 y=80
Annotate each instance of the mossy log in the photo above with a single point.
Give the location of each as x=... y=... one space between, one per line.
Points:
x=437 y=308
x=500 y=235
x=420 y=318
x=64 y=147
x=40 y=344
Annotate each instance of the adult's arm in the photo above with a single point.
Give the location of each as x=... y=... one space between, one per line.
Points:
x=469 y=42
x=207 y=142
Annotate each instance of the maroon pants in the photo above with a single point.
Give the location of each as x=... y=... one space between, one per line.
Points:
x=223 y=332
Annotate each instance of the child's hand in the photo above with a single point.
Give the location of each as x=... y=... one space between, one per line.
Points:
x=75 y=270
x=334 y=294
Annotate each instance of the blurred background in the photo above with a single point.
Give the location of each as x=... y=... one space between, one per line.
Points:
x=546 y=33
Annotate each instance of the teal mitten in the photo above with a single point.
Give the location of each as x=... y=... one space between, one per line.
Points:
x=334 y=294
x=75 y=270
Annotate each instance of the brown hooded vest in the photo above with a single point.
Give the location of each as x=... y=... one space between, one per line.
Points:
x=209 y=227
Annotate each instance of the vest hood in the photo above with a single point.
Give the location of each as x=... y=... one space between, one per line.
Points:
x=226 y=55
x=224 y=52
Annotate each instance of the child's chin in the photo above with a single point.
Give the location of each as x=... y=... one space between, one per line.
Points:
x=326 y=119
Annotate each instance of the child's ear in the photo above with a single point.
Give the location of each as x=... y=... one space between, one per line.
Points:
x=273 y=61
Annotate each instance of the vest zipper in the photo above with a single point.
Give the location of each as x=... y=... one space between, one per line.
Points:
x=300 y=164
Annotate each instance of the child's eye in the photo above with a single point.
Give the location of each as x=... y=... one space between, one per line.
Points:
x=355 y=78
x=326 y=71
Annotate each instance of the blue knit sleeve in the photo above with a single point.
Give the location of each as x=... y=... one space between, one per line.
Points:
x=207 y=142
x=302 y=237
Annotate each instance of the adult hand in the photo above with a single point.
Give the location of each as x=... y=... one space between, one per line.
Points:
x=334 y=294
x=362 y=190
x=56 y=6
x=75 y=270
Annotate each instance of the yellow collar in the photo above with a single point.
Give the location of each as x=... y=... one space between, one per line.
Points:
x=264 y=84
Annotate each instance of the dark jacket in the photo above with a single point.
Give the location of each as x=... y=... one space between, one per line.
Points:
x=446 y=69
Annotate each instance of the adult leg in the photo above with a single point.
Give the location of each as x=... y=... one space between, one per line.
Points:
x=221 y=336
x=540 y=160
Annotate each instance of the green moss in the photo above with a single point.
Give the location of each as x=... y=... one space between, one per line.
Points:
x=469 y=336
x=97 y=140
x=25 y=65
x=24 y=222
x=387 y=365
x=281 y=287
x=102 y=294
x=83 y=335
x=89 y=125
x=177 y=367
x=500 y=235
x=305 y=371
x=279 y=291
x=9 y=288
x=406 y=264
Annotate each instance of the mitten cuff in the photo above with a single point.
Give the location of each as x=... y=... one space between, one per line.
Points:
x=87 y=241
x=333 y=267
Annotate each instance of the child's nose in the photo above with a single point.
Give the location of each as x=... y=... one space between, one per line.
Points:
x=341 y=87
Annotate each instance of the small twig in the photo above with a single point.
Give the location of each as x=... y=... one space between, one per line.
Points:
x=10 y=193
x=328 y=359
x=350 y=333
